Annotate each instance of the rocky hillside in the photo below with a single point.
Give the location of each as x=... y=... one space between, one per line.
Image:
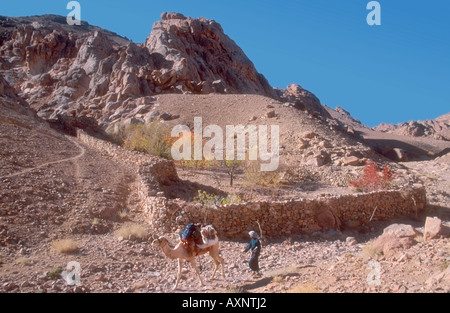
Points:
x=88 y=71
x=439 y=128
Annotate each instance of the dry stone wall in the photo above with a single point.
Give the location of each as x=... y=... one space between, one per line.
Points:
x=275 y=218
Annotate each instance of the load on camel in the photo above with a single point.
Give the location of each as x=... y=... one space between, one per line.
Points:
x=195 y=240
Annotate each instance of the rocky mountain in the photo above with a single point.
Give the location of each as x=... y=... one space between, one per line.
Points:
x=88 y=71
x=438 y=128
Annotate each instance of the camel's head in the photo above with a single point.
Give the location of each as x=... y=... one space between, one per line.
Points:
x=160 y=242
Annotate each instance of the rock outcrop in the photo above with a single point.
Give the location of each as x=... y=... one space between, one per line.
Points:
x=303 y=100
x=85 y=71
x=438 y=128
x=396 y=237
x=195 y=55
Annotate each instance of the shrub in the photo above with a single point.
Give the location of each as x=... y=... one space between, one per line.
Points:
x=123 y=214
x=132 y=232
x=153 y=138
x=192 y=163
x=55 y=273
x=24 y=261
x=369 y=251
x=254 y=176
x=304 y=288
x=277 y=279
x=373 y=178
x=65 y=246
x=210 y=199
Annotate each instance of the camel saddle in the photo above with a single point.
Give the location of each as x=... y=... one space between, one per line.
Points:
x=192 y=239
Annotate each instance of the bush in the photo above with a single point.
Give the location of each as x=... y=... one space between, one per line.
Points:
x=210 y=199
x=55 y=273
x=369 y=251
x=153 y=138
x=304 y=288
x=65 y=246
x=132 y=232
x=254 y=176
x=373 y=178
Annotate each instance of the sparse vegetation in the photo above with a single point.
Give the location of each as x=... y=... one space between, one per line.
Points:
x=153 y=138
x=255 y=177
x=445 y=265
x=371 y=252
x=65 y=246
x=304 y=288
x=55 y=273
x=419 y=238
x=210 y=199
x=231 y=167
x=123 y=214
x=23 y=261
x=132 y=232
x=373 y=178
x=277 y=279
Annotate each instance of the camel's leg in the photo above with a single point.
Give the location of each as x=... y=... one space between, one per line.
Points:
x=194 y=265
x=180 y=268
x=216 y=266
x=218 y=260
x=222 y=261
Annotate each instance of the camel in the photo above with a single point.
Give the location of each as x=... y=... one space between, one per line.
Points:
x=210 y=244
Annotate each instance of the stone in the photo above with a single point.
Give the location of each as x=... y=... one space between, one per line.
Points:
x=327 y=220
x=270 y=114
x=303 y=144
x=400 y=231
x=325 y=144
x=309 y=135
x=396 y=237
x=351 y=241
x=351 y=161
x=303 y=100
x=433 y=228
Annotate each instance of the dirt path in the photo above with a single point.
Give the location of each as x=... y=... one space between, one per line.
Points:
x=80 y=155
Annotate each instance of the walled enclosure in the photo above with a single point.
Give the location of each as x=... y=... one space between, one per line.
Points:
x=275 y=218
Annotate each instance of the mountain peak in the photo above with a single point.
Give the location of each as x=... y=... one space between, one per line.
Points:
x=86 y=70
x=201 y=57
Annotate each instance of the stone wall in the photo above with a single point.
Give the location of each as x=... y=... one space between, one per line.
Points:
x=288 y=217
x=275 y=218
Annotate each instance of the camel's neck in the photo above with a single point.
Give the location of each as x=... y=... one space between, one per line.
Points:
x=169 y=252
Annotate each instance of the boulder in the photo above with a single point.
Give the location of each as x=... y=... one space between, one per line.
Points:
x=303 y=100
x=351 y=161
x=433 y=228
x=303 y=144
x=396 y=237
x=309 y=135
x=270 y=114
x=327 y=220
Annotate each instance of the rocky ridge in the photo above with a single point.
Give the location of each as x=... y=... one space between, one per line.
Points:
x=88 y=71
x=438 y=128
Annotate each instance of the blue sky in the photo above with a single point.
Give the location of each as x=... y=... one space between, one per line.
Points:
x=395 y=72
